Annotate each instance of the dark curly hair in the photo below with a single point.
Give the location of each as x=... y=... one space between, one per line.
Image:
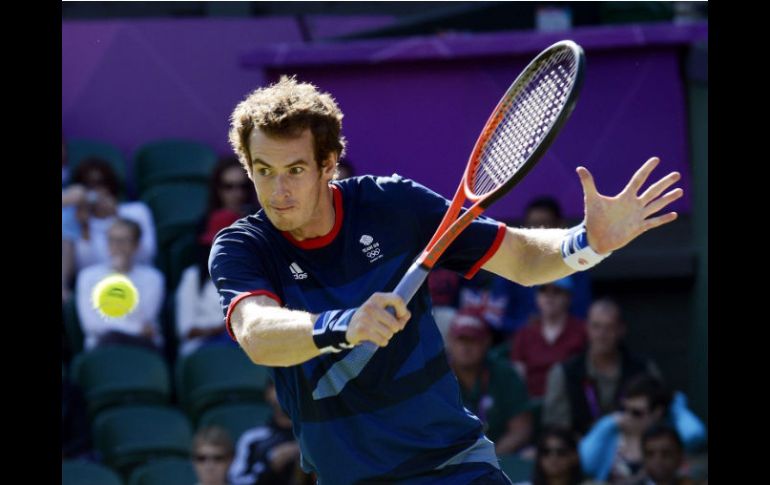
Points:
x=284 y=110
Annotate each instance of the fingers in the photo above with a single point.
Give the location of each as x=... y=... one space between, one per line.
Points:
x=375 y=320
x=658 y=187
x=641 y=175
x=587 y=180
x=662 y=202
x=658 y=221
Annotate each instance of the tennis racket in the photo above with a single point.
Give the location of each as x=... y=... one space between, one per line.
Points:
x=517 y=134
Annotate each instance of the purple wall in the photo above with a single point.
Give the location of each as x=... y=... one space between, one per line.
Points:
x=415 y=106
x=128 y=82
x=412 y=106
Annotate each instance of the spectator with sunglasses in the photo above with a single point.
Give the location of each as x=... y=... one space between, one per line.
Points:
x=198 y=312
x=612 y=449
x=212 y=455
x=557 y=461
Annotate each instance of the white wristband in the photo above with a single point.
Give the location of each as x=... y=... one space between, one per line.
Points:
x=576 y=251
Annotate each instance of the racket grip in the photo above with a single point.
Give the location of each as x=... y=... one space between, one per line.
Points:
x=406 y=288
x=410 y=283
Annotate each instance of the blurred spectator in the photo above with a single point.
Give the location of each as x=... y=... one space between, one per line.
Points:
x=269 y=454
x=140 y=327
x=557 y=461
x=552 y=337
x=198 y=312
x=520 y=307
x=586 y=387
x=663 y=454
x=612 y=449
x=231 y=189
x=490 y=389
x=212 y=454
x=89 y=207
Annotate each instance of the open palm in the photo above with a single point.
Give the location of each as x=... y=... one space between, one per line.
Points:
x=613 y=222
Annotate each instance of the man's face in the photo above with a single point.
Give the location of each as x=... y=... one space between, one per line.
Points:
x=604 y=329
x=211 y=463
x=662 y=458
x=289 y=183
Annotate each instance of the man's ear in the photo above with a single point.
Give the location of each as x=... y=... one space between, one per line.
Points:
x=329 y=166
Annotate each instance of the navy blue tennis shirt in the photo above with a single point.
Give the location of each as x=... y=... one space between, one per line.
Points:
x=399 y=417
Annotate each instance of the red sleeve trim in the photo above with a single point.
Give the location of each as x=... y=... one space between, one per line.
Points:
x=490 y=252
x=238 y=299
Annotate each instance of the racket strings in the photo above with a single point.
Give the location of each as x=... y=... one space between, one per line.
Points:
x=524 y=119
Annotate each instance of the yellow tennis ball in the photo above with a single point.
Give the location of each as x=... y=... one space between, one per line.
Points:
x=115 y=296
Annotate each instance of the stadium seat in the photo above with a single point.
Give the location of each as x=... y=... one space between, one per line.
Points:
x=86 y=473
x=168 y=471
x=176 y=209
x=116 y=375
x=165 y=161
x=218 y=374
x=131 y=436
x=237 y=418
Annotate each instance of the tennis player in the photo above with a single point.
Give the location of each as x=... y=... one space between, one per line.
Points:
x=304 y=280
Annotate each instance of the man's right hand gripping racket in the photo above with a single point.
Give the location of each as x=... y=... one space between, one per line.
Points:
x=516 y=135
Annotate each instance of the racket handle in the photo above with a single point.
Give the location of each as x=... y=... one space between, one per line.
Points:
x=410 y=283
x=406 y=288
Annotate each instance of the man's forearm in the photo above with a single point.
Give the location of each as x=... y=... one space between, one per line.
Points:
x=272 y=335
x=530 y=256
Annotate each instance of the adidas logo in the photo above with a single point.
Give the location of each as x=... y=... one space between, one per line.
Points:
x=297 y=272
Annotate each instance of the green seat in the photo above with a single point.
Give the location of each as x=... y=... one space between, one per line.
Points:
x=182 y=253
x=176 y=209
x=87 y=473
x=518 y=469
x=169 y=471
x=116 y=375
x=237 y=418
x=81 y=149
x=72 y=325
x=173 y=160
x=218 y=374
x=133 y=435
